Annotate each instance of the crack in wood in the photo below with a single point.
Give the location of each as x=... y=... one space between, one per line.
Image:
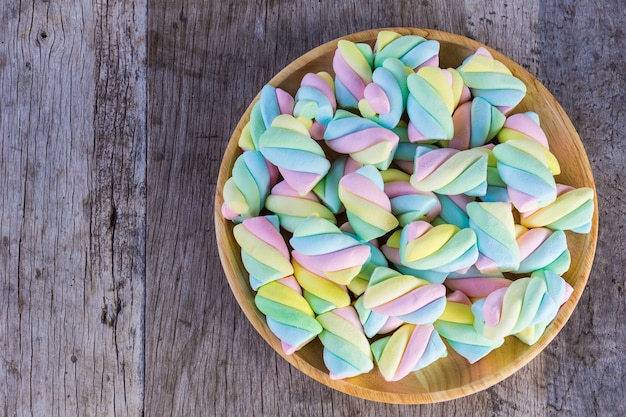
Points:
x=109 y=312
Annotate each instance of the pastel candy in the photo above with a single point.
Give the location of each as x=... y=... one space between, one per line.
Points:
x=391 y=249
x=542 y=248
x=319 y=246
x=571 y=210
x=456 y=326
x=406 y=297
x=523 y=126
x=430 y=105
x=263 y=250
x=272 y=103
x=360 y=282
x=496 y=188
x=407 y=203
x=383 y=100
x=346 y=349
x=560 y=292
x=352 y=64
x=414 y=51
x=495 y=235
x=245 y=191
x=245 y=141
x=450 y=171
x=443 y=248
x=322 y=294
x=525 y=307
x=458 y=308
x=476 y=284
x=460 y=92
x=288 y=145
x=453 y=210
x=292 y=208
x=428 y=161
x=408 y=349
x=287 y=313
x=328 y=187
x=475 y=123
x=374 y=323
x=491 y=80
x=364 y=140
x=367 y=206
x=404 y=157
x=315 y=102
x=528 y=169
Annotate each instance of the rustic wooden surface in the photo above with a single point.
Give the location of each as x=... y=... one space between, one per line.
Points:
x=113 y=120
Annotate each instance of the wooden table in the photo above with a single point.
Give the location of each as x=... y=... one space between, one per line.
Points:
x=113 y=120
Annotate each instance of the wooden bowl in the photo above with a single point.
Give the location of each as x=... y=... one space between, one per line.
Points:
x=452 y=376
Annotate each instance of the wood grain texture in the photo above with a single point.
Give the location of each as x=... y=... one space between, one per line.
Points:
x=92 y=221
x=73 y=209
x=587 y=77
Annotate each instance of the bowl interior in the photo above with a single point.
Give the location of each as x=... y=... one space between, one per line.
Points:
x=453 y=376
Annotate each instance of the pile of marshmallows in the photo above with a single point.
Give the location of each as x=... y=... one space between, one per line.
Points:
x=378 y=208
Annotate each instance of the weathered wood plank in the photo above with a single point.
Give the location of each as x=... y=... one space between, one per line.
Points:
x=582 y=63
x=72 y=177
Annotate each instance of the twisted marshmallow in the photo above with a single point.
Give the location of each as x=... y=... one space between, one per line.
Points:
x=383 y=100
x=408 y=349
x=315 y=102
x=407 y=203
x=367 y=205
x=328 y=187
x=287 y=313
x=263 y=250
x=443 y=248
x=450 y=171
x=246 y=190
x=292 y=208
x=406 y=297
x=430 y=105
x=524 y=308
x=528 y=169
x=523 y=126
x=272 y=103
x=364 y=140
x=319 y=246
x=456 y=326
x=288 y=145
x=391 y=249
x=475 y=122
x=476 y=284
x=542 y=248
x=492 y=80
x=322 y=294
x=352 y=64
x=346 y=349
x=414 y=51
x=571 y=210
x=375 y=323
x=453 y=210
x=495 y=235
